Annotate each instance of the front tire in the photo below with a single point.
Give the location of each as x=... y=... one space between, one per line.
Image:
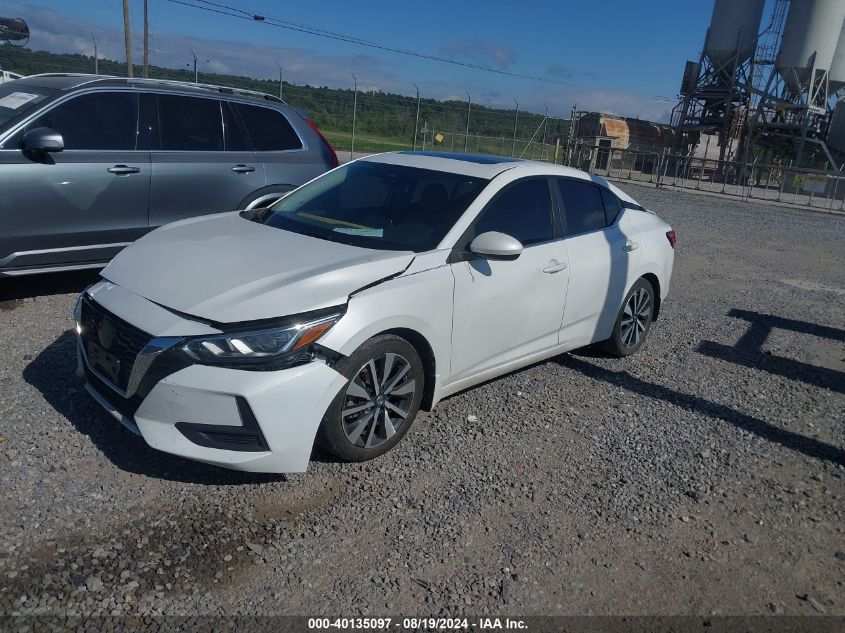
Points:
x=379 y=402
x=633 y=321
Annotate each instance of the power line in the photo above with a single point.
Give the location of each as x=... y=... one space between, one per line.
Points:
x=223 y=9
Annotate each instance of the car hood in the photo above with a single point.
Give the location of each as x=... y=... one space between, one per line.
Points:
x=227 y=269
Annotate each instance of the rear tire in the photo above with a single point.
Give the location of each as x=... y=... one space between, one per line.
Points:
x=378 y=403
x=633 y=321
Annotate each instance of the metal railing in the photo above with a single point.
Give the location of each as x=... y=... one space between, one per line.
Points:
x=823 y=190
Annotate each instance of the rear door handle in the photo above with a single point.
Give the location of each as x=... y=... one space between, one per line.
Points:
x=631 y=246
x=121 y=170
x=243 y=169
x=554 y=267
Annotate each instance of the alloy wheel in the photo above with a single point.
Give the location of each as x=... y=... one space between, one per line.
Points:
x=378 y=400
x=635 y=318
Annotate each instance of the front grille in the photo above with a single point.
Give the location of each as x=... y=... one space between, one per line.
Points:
x=125 y=406
x=113 y=335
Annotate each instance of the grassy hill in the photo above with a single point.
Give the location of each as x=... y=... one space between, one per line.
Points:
x=384 y=121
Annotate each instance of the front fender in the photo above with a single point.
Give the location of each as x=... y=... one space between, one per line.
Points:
x=421 y=302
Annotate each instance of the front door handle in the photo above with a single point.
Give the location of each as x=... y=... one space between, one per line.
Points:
x=554 y=267
x=243 y=169
x=631 y=246
x=122 y=170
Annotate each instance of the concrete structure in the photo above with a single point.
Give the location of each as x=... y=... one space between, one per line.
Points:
x=809 y=42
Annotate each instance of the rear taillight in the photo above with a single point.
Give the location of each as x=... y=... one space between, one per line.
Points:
x=335 y=161
x=673 y=239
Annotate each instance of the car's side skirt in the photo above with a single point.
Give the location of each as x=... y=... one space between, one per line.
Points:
x=513 y=365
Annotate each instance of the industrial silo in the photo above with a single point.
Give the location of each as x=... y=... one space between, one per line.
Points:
x=836 y=77
x=733 y=31
x=809 y=40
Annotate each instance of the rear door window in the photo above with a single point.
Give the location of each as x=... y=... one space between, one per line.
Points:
x=582 y=206
x=268 y=128
x=95 y=121
x=612 y=207
x=190 y=124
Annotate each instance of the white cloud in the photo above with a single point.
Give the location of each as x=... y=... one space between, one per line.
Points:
x=480 y=52
x=55 y=32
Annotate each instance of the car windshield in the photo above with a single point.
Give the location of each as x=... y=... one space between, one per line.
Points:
x=376 y=205
x=18 y=98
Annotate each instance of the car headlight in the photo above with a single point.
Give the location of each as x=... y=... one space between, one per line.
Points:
x=270 y=348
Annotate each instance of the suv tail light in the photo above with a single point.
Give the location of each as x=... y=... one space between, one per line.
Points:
x=673 y=239
x=335 y=161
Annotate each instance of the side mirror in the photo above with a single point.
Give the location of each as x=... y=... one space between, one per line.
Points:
x=495 y=245
x=43 y=139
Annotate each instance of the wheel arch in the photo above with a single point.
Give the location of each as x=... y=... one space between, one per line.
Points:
x=655 y=284
x=266 y=190
x=426 y=353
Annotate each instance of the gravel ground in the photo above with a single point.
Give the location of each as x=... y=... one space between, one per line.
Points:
x=703 y=475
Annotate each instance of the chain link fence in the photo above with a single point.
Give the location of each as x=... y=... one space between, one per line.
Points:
x=369 y=122
x=364 y=122
x=823 y=190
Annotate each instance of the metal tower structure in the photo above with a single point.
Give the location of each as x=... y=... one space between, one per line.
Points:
x=765 y=93
x=792 y=107
x=715 y=93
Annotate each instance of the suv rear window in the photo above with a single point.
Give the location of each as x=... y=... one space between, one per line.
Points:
x=269 y=129
x=190 y=124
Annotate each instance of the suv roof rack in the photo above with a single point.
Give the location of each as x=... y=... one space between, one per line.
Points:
x=167 y=82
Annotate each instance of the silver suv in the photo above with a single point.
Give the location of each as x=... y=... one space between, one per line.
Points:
x=89 y=164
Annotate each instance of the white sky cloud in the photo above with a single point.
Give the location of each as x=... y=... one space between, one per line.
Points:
x=55 y=32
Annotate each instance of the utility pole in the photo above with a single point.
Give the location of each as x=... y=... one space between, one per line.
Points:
x=127 y=38
x=515 y=120
x=569 y=147
x=96 y=60
x=280 y=81
x=466 y=135
x=354 y=114
x=196 y=75
x=417 y=120
x=545 y=127
x=146 y=41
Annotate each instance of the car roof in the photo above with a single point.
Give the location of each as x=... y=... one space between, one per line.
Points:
x=71 y=81
x=477 y=165
x=487 y=166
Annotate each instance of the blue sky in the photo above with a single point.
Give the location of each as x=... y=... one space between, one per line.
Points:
x=612 y=55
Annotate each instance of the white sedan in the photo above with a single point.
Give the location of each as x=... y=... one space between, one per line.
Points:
x=375 y=290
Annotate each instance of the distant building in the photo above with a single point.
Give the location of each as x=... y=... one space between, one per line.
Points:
x=607 y=132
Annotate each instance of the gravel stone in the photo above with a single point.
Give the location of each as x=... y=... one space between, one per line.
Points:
x=570 y=498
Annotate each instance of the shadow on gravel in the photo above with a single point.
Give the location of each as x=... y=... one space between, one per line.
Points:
x=806 y=445
x=53 y=373
x=45 y=285
x=748 y=350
